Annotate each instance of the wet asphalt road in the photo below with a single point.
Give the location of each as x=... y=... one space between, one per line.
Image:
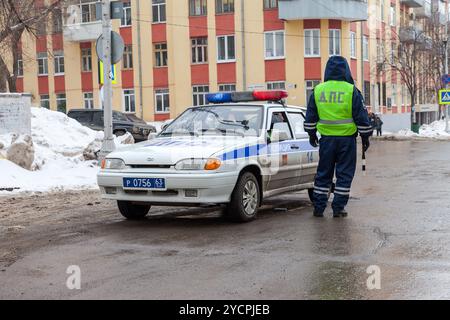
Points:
x=399 y=221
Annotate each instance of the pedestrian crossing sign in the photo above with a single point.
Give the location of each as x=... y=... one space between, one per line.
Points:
x=444 y=96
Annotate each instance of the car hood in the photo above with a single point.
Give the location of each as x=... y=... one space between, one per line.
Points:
x=168 y=151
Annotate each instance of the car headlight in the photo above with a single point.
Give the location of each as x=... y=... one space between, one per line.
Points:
x=198 y=164
x=113 y=164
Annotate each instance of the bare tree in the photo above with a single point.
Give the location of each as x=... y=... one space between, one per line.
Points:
x=418 y=59
x=16 y=18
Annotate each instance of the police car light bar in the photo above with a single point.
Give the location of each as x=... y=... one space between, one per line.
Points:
x=247 y=96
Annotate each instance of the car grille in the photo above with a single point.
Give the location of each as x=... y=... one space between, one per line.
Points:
x=150 y=166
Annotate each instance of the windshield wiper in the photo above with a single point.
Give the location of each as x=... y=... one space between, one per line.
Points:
x=223 y=131
x=243 y=124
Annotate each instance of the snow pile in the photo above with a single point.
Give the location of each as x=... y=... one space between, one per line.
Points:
x=59 y=163
x=434 y=131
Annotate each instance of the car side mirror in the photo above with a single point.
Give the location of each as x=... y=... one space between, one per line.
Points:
x=152 y=135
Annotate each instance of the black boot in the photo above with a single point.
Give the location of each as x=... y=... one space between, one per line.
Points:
x=318 y=214
x=342 y=213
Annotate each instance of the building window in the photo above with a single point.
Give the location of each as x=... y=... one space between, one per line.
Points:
x=128 y=57
x=277 y=85
x=382 y=10
x=57 y=20
x=199 y=95
x=353 y=45
x=312 y=43
x=42 y=64
x=162 y=101
x=88 y=12
x=197 y=7
x=161 y=55
x=394 y=95
x=59 y=63
x=367 y=101
x=88 y=98
x=61 y=102
x=20 y=67
x=393 y=51
x=365 y=48
x=159 y=11
x=129 y=103
x=126 y=19
x=227 y=87
x=270 y=4
x=274 y=44
x=86 y=59
x=225 y=49
x=199 y=50
x=45 y=101
x=310 y=85
x=334 y=42
x=393 y=16
x=224 y=6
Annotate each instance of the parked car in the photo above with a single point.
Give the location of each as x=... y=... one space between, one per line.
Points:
x=237 y=154
x=122 y=123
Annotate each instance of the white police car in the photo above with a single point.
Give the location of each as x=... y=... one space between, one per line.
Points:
x=239 y=150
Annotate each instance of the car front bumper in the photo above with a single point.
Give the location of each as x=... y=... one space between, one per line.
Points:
x=210 y=188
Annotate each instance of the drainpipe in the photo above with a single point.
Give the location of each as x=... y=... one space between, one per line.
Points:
x=244 y=63
x=362 y=59
x=139 y=43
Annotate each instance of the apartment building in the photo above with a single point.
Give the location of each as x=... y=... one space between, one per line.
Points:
x=176 y=51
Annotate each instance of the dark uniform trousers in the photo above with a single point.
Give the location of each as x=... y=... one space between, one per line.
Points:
x=337 y=154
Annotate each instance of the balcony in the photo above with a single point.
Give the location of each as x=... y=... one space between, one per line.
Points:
x=413 y=3
x=439 y=11
x=348 y=10
x=424 y=11
x=83 y=32
x=81 y=23
x=411 y=35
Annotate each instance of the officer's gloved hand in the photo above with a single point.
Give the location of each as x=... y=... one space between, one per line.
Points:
x=313 y=140
x=365 y=143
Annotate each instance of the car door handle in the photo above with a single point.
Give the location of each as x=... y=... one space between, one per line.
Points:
x=295 y=147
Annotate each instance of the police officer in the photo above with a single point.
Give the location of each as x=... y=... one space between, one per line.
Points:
x=336 y=109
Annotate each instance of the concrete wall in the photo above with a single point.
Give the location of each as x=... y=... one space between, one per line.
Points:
x=15 y=113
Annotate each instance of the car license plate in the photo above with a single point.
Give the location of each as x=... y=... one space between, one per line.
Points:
x=144 y=183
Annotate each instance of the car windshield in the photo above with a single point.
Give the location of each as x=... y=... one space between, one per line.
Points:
x=217 y=120
x=134 y=118
x=117 y=116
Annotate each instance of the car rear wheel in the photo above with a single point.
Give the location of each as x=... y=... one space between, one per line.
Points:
x=133 y=211
x=245 y=199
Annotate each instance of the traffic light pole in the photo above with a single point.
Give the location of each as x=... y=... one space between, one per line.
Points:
x=108 y=145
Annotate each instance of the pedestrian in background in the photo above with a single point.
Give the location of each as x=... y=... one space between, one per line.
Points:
x=372 y=119
x=379 y=126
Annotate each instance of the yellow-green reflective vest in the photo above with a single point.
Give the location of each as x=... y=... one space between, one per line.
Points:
x=334 y=101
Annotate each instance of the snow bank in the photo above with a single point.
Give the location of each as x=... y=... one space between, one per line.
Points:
x=59 y=164
x=434 y=131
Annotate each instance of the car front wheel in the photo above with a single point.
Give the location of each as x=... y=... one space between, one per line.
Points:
x=133 y=211
x=245 y=199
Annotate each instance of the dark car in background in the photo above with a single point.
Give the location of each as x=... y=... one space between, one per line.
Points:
x=122 y=123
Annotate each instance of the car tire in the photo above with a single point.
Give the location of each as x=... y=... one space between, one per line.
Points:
x=133 y=211
x=245 y=200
